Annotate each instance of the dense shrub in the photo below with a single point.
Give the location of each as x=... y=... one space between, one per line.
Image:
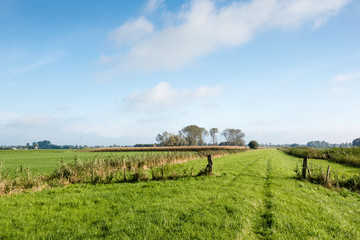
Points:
x=253 y=144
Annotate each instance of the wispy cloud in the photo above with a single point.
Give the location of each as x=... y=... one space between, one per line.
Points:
x=163 y=96
x=31 y=121
x=131 y=32
x=204 y=28
x=344 y=81
x=152 y=5
x=347 y=77
x=36 y=64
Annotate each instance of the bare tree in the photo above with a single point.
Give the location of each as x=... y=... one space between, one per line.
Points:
x=213 y=132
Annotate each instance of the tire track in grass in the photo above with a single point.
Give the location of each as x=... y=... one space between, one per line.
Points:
x=266 y=223
x=243 y=170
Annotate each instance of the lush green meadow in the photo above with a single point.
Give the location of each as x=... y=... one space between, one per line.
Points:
x=46 y=161
x=251 y=195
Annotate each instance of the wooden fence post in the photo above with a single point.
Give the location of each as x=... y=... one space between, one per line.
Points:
x=327 y=174
x=304 y=167
x=162 y=172
x=309 y=172
x=210 y=165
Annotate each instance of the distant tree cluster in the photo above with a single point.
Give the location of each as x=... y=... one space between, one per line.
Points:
x=45 y=144
x=194 y=135
x=318 y=144
x=323 y=144
x=143 y=145
x=356 y=142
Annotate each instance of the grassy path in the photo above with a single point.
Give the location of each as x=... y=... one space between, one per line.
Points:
x=252 y=195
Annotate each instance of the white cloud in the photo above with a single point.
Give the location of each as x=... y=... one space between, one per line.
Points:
x=152 y=5
x=347 y=77
x=337 y=90
x=344 y=82
x=104 y=59
x=163 y=96
x=131 y=32
x=205 y=28
x=31 y=120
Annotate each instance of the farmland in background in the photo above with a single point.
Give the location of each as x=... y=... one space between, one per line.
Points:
x=45 y=161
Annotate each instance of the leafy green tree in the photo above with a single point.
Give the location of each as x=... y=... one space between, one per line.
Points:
x=253 y=144
x=213 y=132
x=234 y=137
x=356 y=142
x=194 y=135
x=44 y=144
x=170 y=139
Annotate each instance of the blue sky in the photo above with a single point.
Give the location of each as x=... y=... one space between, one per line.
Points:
x=120 y=72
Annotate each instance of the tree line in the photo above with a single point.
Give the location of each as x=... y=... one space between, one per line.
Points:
x=323 y=144
x=194 y=135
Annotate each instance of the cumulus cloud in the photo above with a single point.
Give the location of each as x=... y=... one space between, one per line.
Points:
x=203 y=28
x=131 y=32
x=163 y=96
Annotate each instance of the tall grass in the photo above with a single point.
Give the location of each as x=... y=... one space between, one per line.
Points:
x=319 y=175
x=348 y=156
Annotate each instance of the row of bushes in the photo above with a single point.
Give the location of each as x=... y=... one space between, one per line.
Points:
x=348 y=156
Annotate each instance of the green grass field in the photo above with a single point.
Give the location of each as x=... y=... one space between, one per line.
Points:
x=252 y=195
x=338 y=168
x=46 y=161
